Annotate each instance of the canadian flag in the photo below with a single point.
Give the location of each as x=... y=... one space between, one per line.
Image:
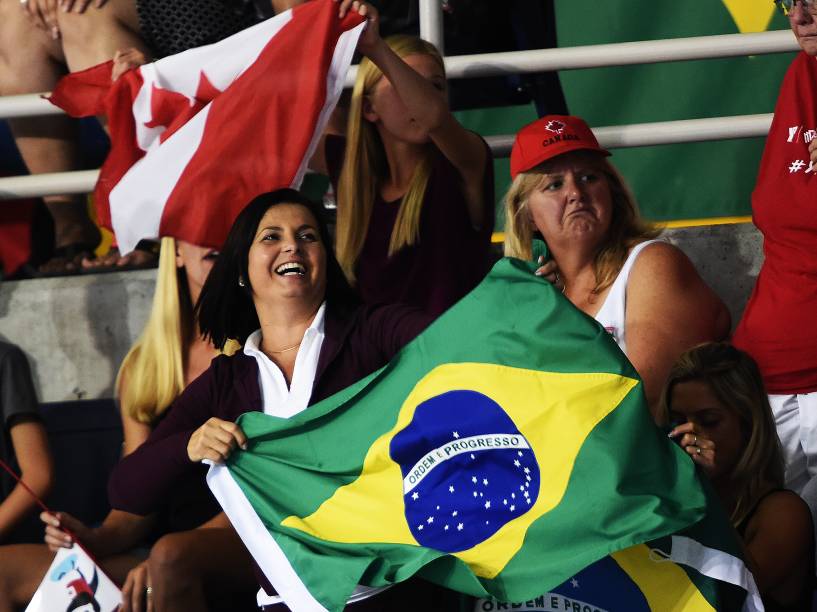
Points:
x=195 y=136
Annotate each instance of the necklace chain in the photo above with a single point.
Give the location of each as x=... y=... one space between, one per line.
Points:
x=287 y=349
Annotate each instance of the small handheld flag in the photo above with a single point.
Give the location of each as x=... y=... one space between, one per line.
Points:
x=74 y=582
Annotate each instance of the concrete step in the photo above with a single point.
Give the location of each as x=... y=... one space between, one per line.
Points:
x=77 y=329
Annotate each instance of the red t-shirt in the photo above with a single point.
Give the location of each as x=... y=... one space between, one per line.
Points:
x=779 y=325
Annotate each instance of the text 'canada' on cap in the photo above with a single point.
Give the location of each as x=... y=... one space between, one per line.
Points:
x=548 y=137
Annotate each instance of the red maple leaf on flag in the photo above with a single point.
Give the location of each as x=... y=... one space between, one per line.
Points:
x=172 y=109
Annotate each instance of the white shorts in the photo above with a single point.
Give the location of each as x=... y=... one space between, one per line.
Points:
x=795 y=417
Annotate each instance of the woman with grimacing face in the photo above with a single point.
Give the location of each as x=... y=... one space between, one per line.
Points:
x=603 y=257
x=278 y=289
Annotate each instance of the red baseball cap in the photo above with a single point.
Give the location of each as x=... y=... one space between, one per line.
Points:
x=548 y=137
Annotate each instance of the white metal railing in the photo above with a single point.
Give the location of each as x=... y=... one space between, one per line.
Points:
x=635 y=135
x=431 y=22
x=494 y=64
x=542 y=60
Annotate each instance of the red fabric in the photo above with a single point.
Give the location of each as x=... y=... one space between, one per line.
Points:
x=90 y=92
x=548 y=137
x=83 y=93
x=779 y=325
x=256 y=134
x=15 y=234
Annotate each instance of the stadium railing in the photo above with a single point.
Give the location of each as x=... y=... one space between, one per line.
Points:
x=494 y=64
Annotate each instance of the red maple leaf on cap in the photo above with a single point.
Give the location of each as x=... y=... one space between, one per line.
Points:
x=172 y=109
x=555 y=126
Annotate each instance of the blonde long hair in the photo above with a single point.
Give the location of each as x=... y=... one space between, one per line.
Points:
x=154 y=366
x=734 y=378
x=626 y=227
x=365 y=164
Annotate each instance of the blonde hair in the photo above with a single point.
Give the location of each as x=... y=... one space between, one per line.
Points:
x=734 y=379
x=154 y=366
x=364 y=165
x=626 y=227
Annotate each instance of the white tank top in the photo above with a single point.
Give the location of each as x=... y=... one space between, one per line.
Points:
x=612 y=313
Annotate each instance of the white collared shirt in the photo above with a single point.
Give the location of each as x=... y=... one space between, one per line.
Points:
x=278 y=399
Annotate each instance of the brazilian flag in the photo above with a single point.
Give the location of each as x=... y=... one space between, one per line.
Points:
x=501 y=452
x=683 y=181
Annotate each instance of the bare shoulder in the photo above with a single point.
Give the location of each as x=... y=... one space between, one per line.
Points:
x=782 y=522
x=665 y=260
x=785 y=512
x=665 y=283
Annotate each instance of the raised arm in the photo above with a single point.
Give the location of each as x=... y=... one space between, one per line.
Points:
x=669 y=310
x=426 y=103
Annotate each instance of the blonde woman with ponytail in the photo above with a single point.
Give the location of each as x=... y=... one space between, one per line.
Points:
x=414 y=188
x=169 y=355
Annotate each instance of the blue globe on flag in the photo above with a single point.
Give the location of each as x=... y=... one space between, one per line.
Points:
x=467 y=470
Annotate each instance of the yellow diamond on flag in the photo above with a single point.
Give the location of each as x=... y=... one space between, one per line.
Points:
x=553 y=413
x=751 y=15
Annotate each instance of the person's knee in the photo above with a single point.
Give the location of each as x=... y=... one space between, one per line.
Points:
x=83 y=29
x=21 y=569
x=170 y=554
x=27 y=58
x=100 y=30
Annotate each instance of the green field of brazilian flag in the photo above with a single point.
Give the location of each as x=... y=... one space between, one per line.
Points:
x=502 y=452
x=687 y=181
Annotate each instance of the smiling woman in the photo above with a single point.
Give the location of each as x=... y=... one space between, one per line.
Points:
x=604 y=258
x=279 y=290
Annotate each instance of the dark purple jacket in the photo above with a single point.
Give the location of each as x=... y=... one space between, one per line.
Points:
x=354 y=345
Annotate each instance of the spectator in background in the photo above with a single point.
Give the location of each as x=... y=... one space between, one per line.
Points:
x=715 y=398
x=23 y=447
x=483 y=26
x=166 y=358
x=414 y=188
x=42 y=39
x=604 y=258
x=779 y=328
